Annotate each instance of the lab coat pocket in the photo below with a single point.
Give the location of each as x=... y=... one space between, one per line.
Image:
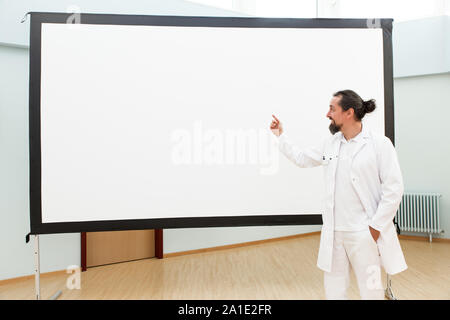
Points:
x=325 y=249
x=372 y=240
x=371 y=237
x=392 y=258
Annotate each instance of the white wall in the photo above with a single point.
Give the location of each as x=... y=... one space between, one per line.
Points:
x=421 y=91
x=421 y=47
x=12 y=12
x=176 y=240
x=422 y=113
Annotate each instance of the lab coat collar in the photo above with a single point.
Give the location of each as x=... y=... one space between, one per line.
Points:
x=363 y=134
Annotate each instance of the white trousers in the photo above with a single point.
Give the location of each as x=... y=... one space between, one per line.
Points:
x=359 y=251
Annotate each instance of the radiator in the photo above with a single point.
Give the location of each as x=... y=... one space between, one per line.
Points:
x=419 y=212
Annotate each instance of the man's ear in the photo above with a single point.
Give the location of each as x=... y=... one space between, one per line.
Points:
x=350 y=112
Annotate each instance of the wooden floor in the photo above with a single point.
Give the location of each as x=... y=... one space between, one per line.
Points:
x=284 y=269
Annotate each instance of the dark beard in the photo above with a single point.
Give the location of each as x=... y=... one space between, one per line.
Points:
x=334 y=128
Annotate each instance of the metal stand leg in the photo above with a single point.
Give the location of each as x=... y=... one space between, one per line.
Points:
x=56 y=295
x=388 y=292
x=37 y=269
x=37 y=272
x=431 y=238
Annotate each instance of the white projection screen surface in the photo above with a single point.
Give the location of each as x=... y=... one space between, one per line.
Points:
x=160 y=122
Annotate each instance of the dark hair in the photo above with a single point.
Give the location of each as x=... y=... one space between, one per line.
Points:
x=350 y=99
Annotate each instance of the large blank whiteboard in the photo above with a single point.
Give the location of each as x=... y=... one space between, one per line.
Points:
x=149 y=122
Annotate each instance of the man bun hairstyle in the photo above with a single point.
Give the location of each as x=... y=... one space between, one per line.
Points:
x=350 y=99
x=369 y=105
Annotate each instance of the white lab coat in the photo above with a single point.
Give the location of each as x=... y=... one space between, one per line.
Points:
x=377 y=180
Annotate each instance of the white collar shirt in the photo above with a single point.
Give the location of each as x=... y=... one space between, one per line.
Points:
x=349 y=213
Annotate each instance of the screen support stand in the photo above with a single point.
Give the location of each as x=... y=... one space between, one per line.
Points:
x=388 y=292
x=37 y=272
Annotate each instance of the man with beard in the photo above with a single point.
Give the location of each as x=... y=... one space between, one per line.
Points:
x=364 y=187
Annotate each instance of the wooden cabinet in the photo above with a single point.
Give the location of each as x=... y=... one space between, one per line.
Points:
x=118 y=246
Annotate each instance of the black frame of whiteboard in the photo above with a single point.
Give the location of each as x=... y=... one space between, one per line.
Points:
x=37 y=18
